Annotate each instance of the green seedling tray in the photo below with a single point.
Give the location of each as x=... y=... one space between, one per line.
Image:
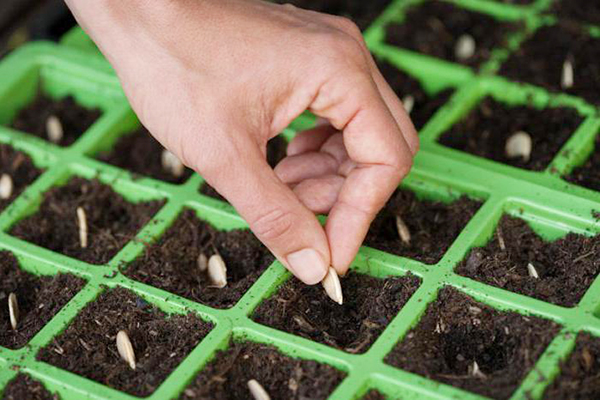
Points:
x=552 y=207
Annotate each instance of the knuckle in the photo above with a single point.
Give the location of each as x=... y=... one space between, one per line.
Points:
x=275 y=224
x=349 y=26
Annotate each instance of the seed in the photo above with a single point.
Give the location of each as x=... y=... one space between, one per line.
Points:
x=567 y=79
x=6 y=187
x=171 y=163
x=202 y=262
x=403 y=231
x=476 y=372
x=257 y=391
x=519 y=145
x=409 y=103
x=588 y=359
x=465 y=47
x=54 y=129
x=125 y=349
x=217 y=271
x=83 y=227
x=532 y=271
x=332 y=286
x=13 y=310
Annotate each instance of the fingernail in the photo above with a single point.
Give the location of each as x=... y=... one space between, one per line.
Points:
x=307 y=265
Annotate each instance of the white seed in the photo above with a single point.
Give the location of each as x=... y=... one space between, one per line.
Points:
x=403 y=231
x=409 y=103
x=567 y=79
x=125 y=349
x=476 y=372
x=54 y=129
x=217 y=271
x=13 y=310
x=257 y=391
x=532 y=271
x=171 y=163
x=519 y=145
x=332 y=286
x=465 y=47
x=6 y=187
x=202 y=262
x=83 y=227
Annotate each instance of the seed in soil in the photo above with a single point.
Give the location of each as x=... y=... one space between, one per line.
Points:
x=370 y=305
x=6 y=187
x=17 y=168
x=125 y=349
x=565 y=268
x=445 y=31
x=160 y=342
x=588 y=174
x=38 y=299
x=282 y=377
x=24 y=387
x=488 y=353
x=171 y=263
x=433 y=226
x=519 y=146
x=111 y=221
x=488 y=130
x=217 y=271
x=172 y=164
x=258 y=392
x=578 y=11
x=60 y=121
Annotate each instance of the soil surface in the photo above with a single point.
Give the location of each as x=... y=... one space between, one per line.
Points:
x=171 y=263
x=425 y=106
x=283 y=377
x=74 y=118
x=88 y=348
x=580 y=373
x=457 y=332
x=433 y=226
x=20 y=168
x=369 y=306
x=578 y=10
x=566 y=267
x=373 y=395
x=112 y=221
x=39 y=299
x=486 y=129
x=24 y=387
x=588 y=174
x=540 y=60
x=434 y=28
x=141 y=154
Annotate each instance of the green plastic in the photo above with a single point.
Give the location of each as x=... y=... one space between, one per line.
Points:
x=552 y=206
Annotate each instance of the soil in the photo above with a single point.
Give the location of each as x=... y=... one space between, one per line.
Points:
x=171 y=263
x=25 y=387
x=457 y=331
x=433 y=226
x=19 y=167
x=578 y=10
x=75 y=119
x=373 y=395
x=566 y=267
x=540 y=60
x=87 y=347
x=588 y=174
x=112 y=221
x=485 y=131
x=434 y=28
x=425 y=105
x=283 y=377
x=39 y=299
x=580 y=374
x=369 y=306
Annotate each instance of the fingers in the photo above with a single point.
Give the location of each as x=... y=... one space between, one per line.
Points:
x=319 y=194
x=310 y=140
x=308 y=165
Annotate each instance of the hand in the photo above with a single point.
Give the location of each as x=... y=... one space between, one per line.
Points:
x=214 y=80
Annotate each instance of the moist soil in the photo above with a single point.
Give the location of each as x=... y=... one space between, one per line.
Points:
x=540 y=60
x=433 y=226
x=171 y=263
x=141 y=154
x=74 y=118
x=566 y=267
x=88 y=348
x=20 y=168
x=369 y=306
x=283 y=377
x=24 y=387
x=588 y=174
x=39 y=299
x=112 y=220
x=580 y=373
x=373 y=395
x=486 y=129
x=457 y=332
x=578 y=10
x=433 y=28
x=403 y=85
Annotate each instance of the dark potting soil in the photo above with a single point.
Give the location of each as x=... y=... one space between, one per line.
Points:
x=588 y=174
x=434 y=27
x=19 y=167
x=486 y=129
x=373 y=395
x=540 y=60
x=578 y=10
x=580 y=373
x=141 y=154
x=160 y=342
x=283 y=377
x=369 y=306
x=39 y=299
x=433 y=226
x=566 y=267
x=403 y=85
x=74 y=118
x=171 y=263
x=112 y=221
x=24 y=387
x=456 y=332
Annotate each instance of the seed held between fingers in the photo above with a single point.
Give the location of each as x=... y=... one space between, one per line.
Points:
x=465 y=47
x=333 y=288
x=125 y=349
x=13 y=310
x=217 y=271
x=403 y=230
x=6 y=187
x=54 y=129
x=83 y=227
x=171 y=163
x=519 y=145
x=409 y=103
x=257 y=391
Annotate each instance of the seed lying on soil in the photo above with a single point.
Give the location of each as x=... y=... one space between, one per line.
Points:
x=6 y=187
x=54 y=129
x=519 y=145
x=332 y=286
x=409 y=103
x=464 y=48
x=171 y=163
x=13 y=310
x=257 y=391
x=567 y=78
x=83 y=227
x=403 y=231
x=217 y=271
x=202 y=262
x=475 y=371
x=125 y=349
x=532 y=271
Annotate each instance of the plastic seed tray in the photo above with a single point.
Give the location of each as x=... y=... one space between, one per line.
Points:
x=549 y=204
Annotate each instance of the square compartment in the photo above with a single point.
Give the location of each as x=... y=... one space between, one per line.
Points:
x=588 y=173
x=21 y=170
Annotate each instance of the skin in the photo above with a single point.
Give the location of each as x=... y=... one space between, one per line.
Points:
x=214 y=80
